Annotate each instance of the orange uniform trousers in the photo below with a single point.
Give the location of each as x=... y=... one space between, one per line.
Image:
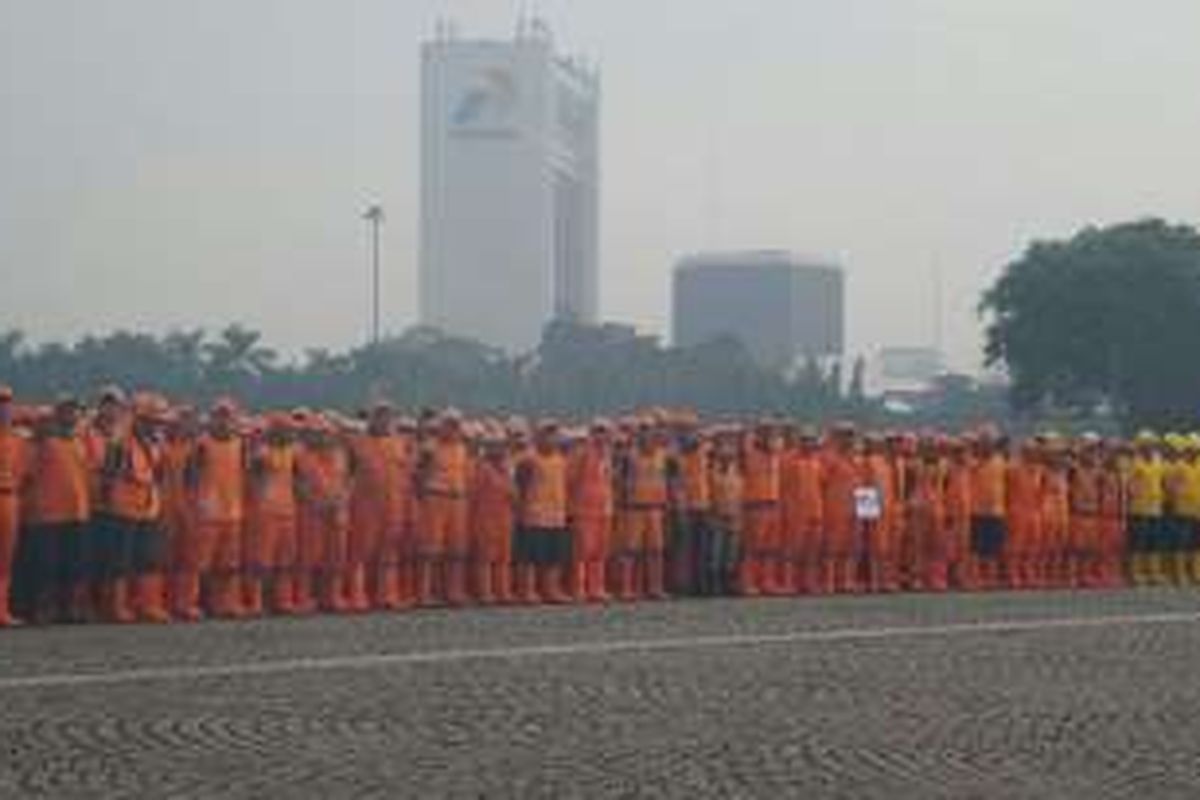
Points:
x=444 y=529
x=1084 y=536
x=212 y=545
x=492 y=539
x=9 y=526
x=9 y=523
x=323 y=535
x=926 y=551
x=378 y=535
x=645 y=531
x=271 y=542
x=763 y=531
x=886 y=540
x=592 y=533
x=1023 y=548
x=840 y=540
x=179 y=523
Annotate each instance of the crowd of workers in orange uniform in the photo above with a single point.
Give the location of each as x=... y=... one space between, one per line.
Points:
x=139 y=510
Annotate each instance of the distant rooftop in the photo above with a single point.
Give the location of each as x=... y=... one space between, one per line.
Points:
x=756 y=258
x=529 y=31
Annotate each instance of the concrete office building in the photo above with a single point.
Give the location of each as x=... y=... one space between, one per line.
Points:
x=509 y=187
x=781 y=308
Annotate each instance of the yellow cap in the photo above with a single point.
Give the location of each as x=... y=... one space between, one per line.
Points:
x=1146 y=437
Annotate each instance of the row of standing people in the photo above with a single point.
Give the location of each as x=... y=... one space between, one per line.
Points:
x=144 y=511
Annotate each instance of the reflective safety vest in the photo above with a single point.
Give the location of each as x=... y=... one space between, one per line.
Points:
x=447 y=469
x=59 y=490
x=12 y=458
x=647 y=478
x=1024 y=490
x=694 y=491
x=958 y=495
x=881 y=475
x=727 y=495
x=809 y=499
x=276 y=490
x=132 y=477
x=1085 y=491
x=761 y=475
x=220 y=479
x=544 y=491
x=1112 y=494
x=591 y=483
x=96 y=444
x=324 y=475
x=1056 y=496
x=988 y=487
x=491 y=507
x=175 y=457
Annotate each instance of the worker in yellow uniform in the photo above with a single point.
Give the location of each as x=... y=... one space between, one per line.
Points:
x=1146 y=500
x=1189 y=512
x=1174 y=524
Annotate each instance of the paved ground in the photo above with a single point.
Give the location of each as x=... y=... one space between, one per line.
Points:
x=1010 y=696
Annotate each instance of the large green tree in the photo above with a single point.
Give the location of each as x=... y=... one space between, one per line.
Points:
x=1109 y=316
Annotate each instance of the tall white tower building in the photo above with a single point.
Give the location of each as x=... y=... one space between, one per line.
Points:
x=509 y=187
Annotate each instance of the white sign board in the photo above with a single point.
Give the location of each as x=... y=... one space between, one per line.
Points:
x=868 y=505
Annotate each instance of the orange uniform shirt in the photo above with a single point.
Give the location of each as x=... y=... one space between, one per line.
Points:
x=323 y=476
x=543 y=479
x=382 y=480
x=220 y=480
x=841 y=476
x=491 y=509
x=591 y=483
x=728 y=497
x=131 y=478
x=647 y=478
x=448 y=469
x=762 y=475
x=989 y=487
x=58 y=486
x=693 y=491
x=274 y=480
x=12 y=464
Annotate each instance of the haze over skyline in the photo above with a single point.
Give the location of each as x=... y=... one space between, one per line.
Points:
x=166 y=163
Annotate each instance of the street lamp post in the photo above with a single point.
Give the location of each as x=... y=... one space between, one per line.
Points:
x=374 y=215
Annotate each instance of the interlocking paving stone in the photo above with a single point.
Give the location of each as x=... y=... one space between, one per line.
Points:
x=1091 y=711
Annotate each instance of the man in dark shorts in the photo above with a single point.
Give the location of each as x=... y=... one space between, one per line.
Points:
x=52 y=561
x=988 y=507
x=543 y=549
x=136 y=563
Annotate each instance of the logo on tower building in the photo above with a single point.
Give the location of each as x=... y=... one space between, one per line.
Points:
x=487 y=105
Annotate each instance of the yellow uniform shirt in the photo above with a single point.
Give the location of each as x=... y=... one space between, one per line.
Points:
x=1146 y=487
x=1187 y=491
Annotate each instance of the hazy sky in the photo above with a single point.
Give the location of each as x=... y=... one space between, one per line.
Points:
x=193 y=162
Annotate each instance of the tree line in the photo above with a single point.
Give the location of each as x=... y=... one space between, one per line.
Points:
x=575 y=371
